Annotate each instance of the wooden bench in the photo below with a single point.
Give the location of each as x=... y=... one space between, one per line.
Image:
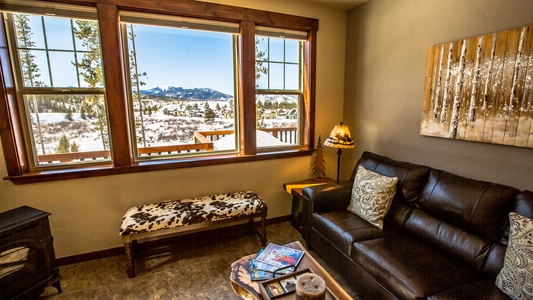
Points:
x=187 y=215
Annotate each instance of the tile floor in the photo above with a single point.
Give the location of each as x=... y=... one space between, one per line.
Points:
x=197 y=269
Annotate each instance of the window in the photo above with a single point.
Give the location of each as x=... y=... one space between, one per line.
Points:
x=60 y=86
x=279 y=91
x=181 y=86
x=113 y=87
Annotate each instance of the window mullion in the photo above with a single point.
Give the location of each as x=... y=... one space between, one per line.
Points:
x=247 y=110
x=114 y=84
x=284 y=64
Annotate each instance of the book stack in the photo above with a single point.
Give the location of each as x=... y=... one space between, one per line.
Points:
x=274 y=261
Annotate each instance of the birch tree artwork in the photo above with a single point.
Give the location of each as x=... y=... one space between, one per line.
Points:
x=481 y=89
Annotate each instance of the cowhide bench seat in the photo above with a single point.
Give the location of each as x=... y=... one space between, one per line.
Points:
x=187 y=215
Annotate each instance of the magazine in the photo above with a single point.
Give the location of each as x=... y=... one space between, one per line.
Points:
x=262 y=271
x=280 y=256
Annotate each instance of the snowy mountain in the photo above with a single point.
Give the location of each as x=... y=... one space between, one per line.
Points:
x=187 y=93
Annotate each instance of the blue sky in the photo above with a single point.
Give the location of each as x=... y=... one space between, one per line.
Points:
x=169 y=56
x=187 y=58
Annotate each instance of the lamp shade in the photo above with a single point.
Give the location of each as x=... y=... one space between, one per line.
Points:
x=340 y=138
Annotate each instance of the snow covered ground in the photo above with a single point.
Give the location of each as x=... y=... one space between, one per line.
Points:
x=160 y=129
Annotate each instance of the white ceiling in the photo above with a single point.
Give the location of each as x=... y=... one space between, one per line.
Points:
x=339 y=4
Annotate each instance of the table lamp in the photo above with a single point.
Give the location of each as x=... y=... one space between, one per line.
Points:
x=339 y=138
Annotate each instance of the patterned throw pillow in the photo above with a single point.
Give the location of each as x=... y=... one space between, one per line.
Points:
x=516 y=277
x=372 y=195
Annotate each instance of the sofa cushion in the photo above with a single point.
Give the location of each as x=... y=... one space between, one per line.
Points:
x=454 y=241
x=372 y=195
x=516 y=277
x=409 y=268
x=342 y=228
x=483 y=289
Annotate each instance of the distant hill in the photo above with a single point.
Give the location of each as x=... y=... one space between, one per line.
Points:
x=186 y=93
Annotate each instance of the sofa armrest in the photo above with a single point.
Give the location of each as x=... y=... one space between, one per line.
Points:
x=332 y=196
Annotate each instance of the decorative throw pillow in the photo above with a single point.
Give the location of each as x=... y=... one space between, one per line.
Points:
x=516 y=277
x=372 y=195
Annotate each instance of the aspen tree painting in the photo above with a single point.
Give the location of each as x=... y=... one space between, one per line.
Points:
x=480 y=89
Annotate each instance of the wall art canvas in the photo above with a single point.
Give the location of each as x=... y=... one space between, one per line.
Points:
x=480 y=89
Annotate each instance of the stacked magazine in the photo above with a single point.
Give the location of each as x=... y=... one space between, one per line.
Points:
x=274 y=261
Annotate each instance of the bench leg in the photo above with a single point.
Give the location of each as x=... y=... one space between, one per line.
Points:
x=263 y=228
x=129 y=256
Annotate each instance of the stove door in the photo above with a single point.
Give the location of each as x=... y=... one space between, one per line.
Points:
x=22 y=268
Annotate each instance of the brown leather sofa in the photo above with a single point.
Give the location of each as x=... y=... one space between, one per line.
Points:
x=444 y=237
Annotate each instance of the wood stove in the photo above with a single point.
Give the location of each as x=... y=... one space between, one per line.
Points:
x=27 y=258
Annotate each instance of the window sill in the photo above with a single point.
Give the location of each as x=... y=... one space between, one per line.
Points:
x=107 y=170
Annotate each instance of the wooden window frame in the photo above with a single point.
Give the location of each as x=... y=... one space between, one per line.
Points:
x=11 y=129
x=282 y=91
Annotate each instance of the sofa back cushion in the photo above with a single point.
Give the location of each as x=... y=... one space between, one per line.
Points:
x=464 y=217
x=411 y=177
x=478 y=207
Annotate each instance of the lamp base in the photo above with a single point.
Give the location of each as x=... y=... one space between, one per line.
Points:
x=339 y=153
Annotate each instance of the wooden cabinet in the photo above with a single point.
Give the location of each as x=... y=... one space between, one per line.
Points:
x=27 y=258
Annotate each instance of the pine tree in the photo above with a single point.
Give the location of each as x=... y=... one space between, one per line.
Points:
x=319 y=165
x=260 y=122
x=90 y=68
x=83 y=111
x=136 y=84
x=30 y=70
x=64 y=145
x=74 y=147
x=68 y=115
x=259 y=60
x=209 y=114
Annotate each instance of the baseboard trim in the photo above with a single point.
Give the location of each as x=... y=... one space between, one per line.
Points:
x=68 y=260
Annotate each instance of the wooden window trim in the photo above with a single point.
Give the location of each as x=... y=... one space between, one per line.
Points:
x=11 y=133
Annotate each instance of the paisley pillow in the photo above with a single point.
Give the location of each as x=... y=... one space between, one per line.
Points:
x=516 y=277
x=372 y=195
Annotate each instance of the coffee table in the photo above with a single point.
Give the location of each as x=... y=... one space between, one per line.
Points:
x=247 y=289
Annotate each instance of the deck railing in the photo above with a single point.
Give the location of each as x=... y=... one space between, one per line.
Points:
x=284 y=134
x=203 y=141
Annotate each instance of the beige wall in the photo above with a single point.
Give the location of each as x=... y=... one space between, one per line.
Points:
x=387 y=43
x=86 y=213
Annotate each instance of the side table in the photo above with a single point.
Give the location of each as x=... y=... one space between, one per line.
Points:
x=298 y=212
